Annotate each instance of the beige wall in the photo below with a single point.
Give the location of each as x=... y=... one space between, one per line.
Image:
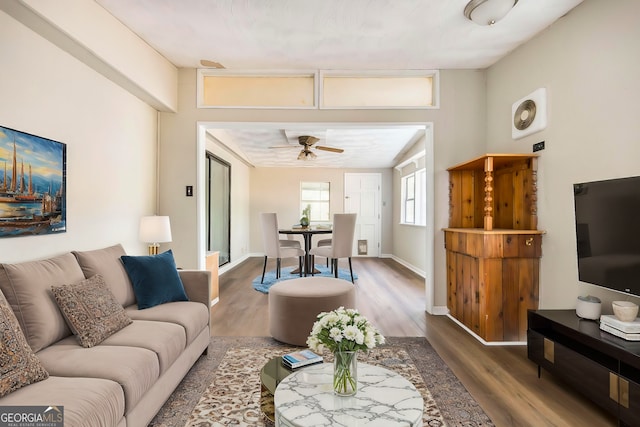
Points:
x=589 y=63
x=458 y=134
x=408 y=238
x=110 y=137
x=278 y=190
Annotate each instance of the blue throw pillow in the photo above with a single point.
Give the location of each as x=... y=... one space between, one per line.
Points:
x=155 y=279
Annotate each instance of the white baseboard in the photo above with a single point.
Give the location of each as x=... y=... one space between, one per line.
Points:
x=487 y=343
x=233 y=264
x=439 y=310
x=413 y=268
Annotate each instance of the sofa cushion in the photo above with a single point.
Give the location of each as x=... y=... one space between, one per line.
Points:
x=167 y=340
x=192 y=316
x=136 y=369
x=18 y=365
x=91 y=310
x=27 y=287
x=155 y=279
x=86 y=401
x=106 y=262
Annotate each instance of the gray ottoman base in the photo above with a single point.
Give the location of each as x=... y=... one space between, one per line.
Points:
x=295 y=304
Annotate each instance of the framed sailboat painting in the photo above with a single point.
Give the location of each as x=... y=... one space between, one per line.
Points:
x=32 y=184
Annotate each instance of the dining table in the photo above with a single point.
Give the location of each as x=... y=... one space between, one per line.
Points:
x=307 y=234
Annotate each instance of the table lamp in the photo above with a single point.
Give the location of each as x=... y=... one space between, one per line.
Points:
x=155 y=230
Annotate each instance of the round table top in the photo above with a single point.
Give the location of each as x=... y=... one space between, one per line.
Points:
x=384 y=398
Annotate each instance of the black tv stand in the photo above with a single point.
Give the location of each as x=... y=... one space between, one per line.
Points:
x=603 y=367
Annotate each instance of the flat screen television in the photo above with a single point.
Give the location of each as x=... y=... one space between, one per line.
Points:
x=607 y=216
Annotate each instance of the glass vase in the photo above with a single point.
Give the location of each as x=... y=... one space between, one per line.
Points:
x=345 y=373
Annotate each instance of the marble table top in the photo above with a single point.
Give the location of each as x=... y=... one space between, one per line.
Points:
x=305 y=398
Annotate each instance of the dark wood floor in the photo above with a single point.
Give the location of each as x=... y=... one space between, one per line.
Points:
x=501 y=379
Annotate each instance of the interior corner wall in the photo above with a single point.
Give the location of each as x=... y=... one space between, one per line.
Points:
x=459 y=134
x=110 y=137
x=589 y=63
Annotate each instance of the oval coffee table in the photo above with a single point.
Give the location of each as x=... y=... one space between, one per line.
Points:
x=305 y=399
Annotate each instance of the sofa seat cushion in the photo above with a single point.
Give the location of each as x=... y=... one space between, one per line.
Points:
x=106 y=262
x=192 y=316
x=135 y=369
x=167 y=340
x=27 y=287
x=86 y=401
x=90 y=309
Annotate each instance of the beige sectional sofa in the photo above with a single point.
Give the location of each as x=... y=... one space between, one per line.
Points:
x=124 y=379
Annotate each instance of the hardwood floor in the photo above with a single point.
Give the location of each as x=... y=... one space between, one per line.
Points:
x=501 y=379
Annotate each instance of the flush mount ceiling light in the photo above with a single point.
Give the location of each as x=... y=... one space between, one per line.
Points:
x=488 y=12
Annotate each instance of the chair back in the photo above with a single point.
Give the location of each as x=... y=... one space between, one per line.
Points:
x=344 y=228
x=270 y=237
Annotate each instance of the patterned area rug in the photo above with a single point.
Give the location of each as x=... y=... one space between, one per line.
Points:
x=223 y=387
x=285 y=274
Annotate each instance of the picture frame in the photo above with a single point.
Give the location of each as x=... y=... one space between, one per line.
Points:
x=33 y=184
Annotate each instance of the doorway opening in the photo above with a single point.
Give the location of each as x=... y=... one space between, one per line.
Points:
x=427 y=247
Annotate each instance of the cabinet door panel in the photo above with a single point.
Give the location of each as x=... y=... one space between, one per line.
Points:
x=630 y=402
x=590 y=378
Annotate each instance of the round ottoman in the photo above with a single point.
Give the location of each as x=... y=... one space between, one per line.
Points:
x=294 y=305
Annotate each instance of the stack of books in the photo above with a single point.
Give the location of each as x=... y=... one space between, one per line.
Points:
x=301 y=358
x=629 y=331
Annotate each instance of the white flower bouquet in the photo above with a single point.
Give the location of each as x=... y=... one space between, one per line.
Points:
x=344 y=332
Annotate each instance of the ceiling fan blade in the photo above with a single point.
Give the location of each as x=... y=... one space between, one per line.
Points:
x=332 y=149
x=285 y=146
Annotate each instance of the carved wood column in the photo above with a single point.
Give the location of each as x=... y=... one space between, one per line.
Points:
x=488 y=193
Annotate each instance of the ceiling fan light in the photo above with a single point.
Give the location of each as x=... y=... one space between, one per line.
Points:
x=488 y=12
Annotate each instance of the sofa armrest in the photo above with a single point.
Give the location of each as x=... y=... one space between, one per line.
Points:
x=197 y=285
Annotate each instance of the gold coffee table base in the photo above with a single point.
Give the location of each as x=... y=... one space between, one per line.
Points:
x=270 y=376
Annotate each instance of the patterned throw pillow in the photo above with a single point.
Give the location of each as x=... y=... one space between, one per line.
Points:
x=91 y=310
x=19 y=366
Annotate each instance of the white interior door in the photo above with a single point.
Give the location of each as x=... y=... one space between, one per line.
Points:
x=362 y=195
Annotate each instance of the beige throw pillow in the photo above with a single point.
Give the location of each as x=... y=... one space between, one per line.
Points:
x=19 y=366
x=91 y=310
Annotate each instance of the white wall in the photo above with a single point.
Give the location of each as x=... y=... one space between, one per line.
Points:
x=589 y=63
x=110 y=137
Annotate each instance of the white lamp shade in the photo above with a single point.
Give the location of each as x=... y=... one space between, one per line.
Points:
x=488 y=12
x=155 y=229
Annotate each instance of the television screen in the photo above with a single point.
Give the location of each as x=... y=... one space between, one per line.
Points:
x=607 y=215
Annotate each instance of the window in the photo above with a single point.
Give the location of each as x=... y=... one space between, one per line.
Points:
x=414 y=198
x=315 y=195
x=378 y=89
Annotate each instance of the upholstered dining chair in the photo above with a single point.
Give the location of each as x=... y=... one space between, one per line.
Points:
x=344 y=227
x=273 y=246
x=324 y=242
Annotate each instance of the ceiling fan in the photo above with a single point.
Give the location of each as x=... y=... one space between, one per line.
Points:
x=307 y=143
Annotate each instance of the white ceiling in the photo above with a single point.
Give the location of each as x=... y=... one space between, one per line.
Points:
x=371 y=147
x=324 y=35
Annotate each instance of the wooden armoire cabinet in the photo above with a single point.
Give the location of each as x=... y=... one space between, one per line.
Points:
x=493 y=246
